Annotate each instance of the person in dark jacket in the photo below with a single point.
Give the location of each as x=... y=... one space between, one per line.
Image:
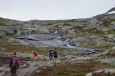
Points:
x=55 y=56
x=10 y=61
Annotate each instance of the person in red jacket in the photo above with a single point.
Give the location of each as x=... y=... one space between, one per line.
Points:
x=35 y=55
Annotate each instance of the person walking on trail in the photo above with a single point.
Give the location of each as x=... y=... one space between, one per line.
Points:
x=14 y=64
x=55 y=56
x=35 y=55
x=50 y=54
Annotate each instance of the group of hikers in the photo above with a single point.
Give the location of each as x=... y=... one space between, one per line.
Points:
x=14 y=63
x=53 y=53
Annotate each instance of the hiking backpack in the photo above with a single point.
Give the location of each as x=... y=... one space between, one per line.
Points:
x=15 y=62
x=51 y=51
x=35 y=54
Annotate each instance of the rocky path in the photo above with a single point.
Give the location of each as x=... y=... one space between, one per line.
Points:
x=33 y=67
x=29 y=67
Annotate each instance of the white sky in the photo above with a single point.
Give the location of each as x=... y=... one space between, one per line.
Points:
x=53 y=9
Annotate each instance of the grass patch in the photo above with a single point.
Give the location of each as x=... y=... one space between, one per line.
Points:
x=2 y=24
x=17 y=48
x=72 y=20
x=95 y=31
x=111 y=20
x=107 y=22
x=111 y=32
x=69 y=69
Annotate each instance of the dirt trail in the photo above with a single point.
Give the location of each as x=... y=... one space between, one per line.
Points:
x=29 y=70
x=23 y=72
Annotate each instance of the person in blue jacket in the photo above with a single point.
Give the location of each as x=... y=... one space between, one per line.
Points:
x=50 y=53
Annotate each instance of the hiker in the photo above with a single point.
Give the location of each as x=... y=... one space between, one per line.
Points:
x=50 y=53
x=55 y=56
x=35 y=55
x=14 y=64
x=10 y=61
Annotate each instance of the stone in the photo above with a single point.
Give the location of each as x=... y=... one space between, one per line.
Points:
x=105 y=29
x=113 y=23
x=12 y=40
x=110 y=10
x=111 y=35
x=93 y=21
x=89 y=74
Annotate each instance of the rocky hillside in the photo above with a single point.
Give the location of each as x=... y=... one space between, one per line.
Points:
x=85 y=46
x=97 y=31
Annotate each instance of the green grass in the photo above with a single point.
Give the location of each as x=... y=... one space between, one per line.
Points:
x=3 y=24
x=111 y=20
x=95 y=31
x=72 y=20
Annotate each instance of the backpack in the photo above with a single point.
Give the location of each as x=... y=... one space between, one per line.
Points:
x=51 y=51
x=35 y=54
x=15 y=63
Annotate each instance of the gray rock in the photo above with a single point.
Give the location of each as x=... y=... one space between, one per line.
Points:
x=93 y=21
x=89 y=74
x=110 y=10
x=12 y=40
x=101 y=44
x=105 y=29
x=113 y=23
x=111 y=35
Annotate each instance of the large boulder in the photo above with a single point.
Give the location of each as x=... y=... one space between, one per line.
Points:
x=65 y=28
x=105 y=29
x=42 y=30
x=111 y=36
x=113 y=23
x=79 y=39
x=103 y=44
x=93 y=21
x=72 y=32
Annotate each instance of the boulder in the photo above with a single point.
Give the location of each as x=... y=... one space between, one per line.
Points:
x=65 y=28
x=111 y=35
x=93 y=21
x=12 y=40
x=72 y=32
x=101 y=44
x=105 y=29
x=113 y=23
x=89 y=74
x=43 y=30
x=79 y=39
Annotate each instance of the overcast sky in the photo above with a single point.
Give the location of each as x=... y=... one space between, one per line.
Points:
x=53 y=9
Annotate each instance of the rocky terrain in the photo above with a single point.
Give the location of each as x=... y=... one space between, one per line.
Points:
x=77 y=40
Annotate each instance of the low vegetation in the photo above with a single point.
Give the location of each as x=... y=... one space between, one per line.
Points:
x=72 y=69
